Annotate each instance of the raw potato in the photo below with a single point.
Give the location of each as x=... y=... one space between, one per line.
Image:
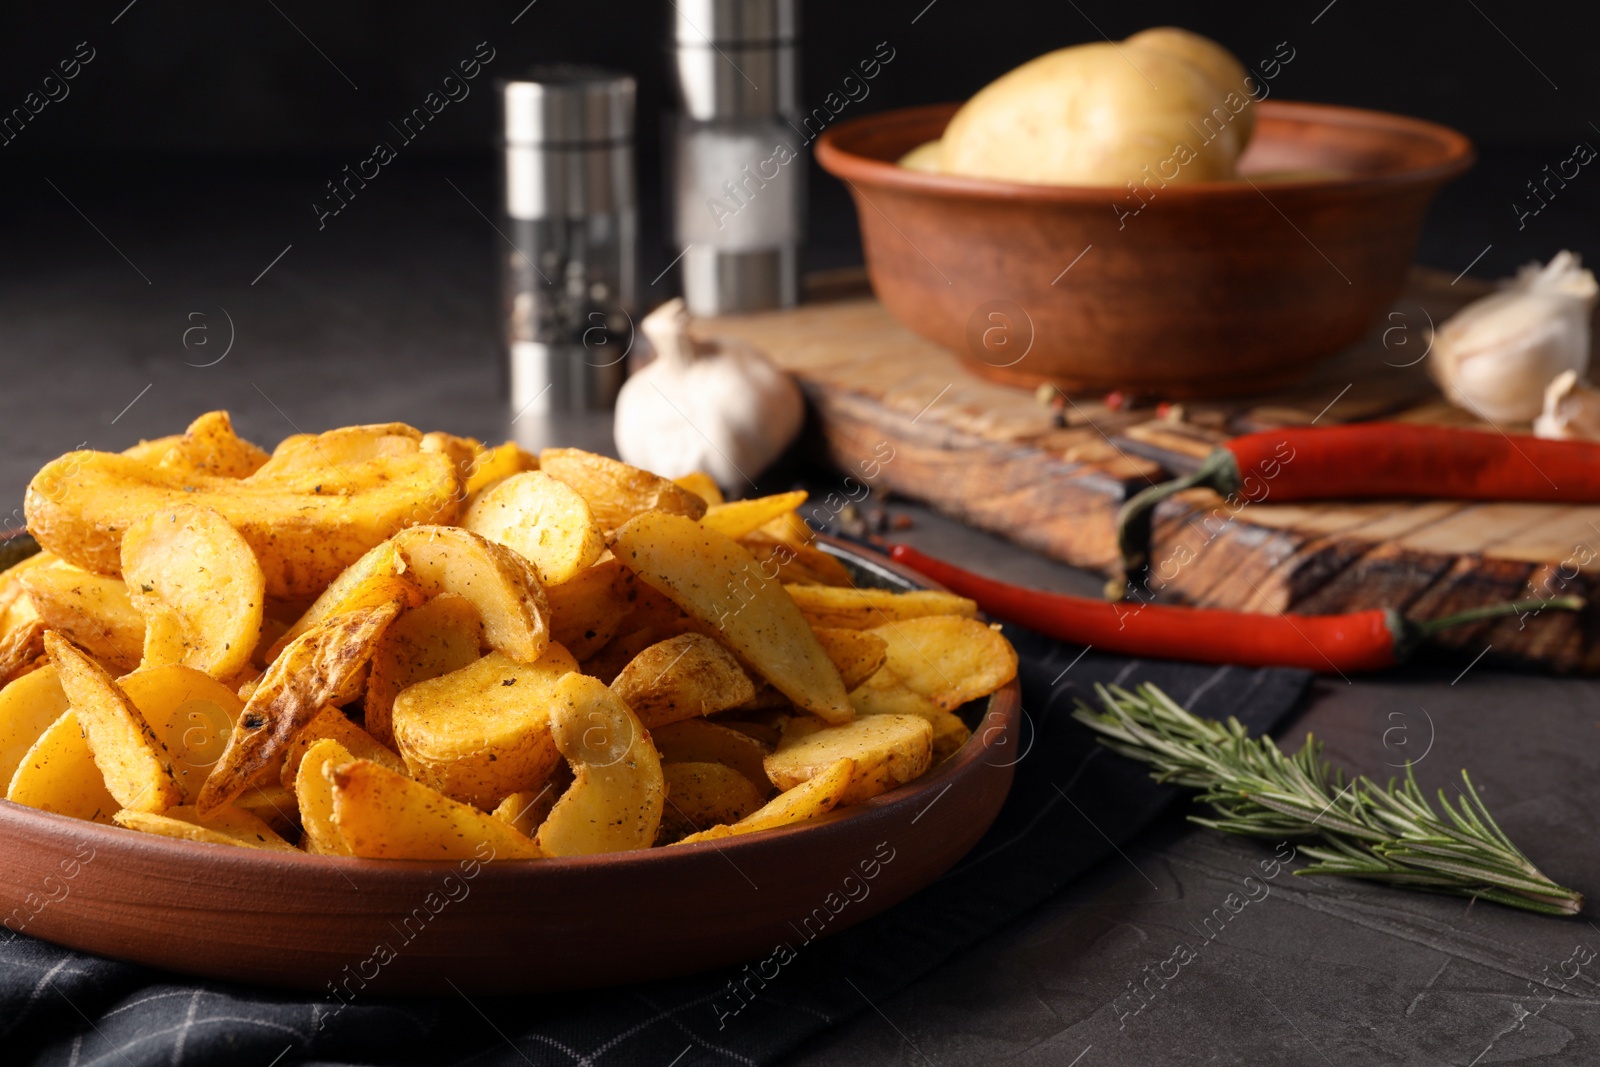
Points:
x=304 y=529
x=699 y=741
x=498 y=582
x=199 y=587
x=1219 y=64
x=317 y=453
x=384 y=815
x=703 y=795
x=484 y=731
x=59 y=774
x=441 y=636
x=615 y=491
x=191 y=715
x=857 y=653
x=743 y=517
x=137 y=768
x=948 y=659
x=211 y=447
x=315 y=668
x=587 y=611
x=313 y=790
x=861 y=609
x=715 y=581
x=332 y=724
x=812 y=799
x=374 y=579
x=614 y=802
x=90 y=610
x=681 y=678
x=887 y=750
x=542 y=519
x=27 y=708
x=227 y=826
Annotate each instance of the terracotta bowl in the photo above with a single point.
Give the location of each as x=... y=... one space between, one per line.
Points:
x=1209 y=289
x=323 y=923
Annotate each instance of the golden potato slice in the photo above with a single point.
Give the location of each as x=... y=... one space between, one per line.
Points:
x=315 y=669
x=701 y=485
x=741 y=517
x=372 y=580
x=615 y=799
x=464 y=452
x=709 y=576
x=542 y=519
x=796 y=564
x=226 y=826
x=313 y=794
x=28 y=705
x=791 y=529
x=443 y=635
x=484 y=731
x=191 y=715
x=347 y=446
x=887 y=750
x=59 y=774
x=948 y=659
x=304 y=529
x=703 y=795
x=857 y=653
x=199 y=588
x=616 y=492
x=21 y=651
x=90 y=610
x=811 y=799
x=885 y=694
x=588 y=610
x=527 y=809
x=384 y=815
x=498 y=582
x=332 y=724
x=496 y=463
x=861 y=609
x=681 y=678
x=211 y=447
x=699 y=741
x=136 y=766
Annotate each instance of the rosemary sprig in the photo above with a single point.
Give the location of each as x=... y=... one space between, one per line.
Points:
x=1388 y=835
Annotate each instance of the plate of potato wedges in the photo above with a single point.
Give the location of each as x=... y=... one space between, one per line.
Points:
x=391 y=710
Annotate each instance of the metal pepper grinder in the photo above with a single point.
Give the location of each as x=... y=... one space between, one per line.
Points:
x=571 y=220
x=738 y=160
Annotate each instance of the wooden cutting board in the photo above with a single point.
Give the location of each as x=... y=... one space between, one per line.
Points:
x=1000 y=459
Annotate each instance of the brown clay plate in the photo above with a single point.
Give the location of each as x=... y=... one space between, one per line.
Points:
x=317 y=922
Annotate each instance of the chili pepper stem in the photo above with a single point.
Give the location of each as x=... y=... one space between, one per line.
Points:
x=1409 y=633
x=1218 y=472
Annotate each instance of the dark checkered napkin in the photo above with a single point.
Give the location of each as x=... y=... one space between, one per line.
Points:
x=1071 y=802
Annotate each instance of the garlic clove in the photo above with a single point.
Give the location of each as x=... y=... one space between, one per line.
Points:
x=1571 y=410
x=1495 y=356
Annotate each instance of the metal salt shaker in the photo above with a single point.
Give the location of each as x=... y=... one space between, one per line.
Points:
x=738 y=161
x=571 y=217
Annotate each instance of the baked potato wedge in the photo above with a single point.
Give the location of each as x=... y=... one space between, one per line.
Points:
x=703 y=795
x=886 y=750
x=384 y=815
x=136 y=766
x=616 y=492
x=376 y=578
x=313 y=671
x=716 y=582
x=587 y=611
x=496 y=463
x=442 y=635
x=862 y=609
x=614 y=802
x=191 y=715
x=198 y=586
x=682 y=678
x=500 y=584
x=59 y=774
x=857 y=653
x=737 y=518
x=304 y=529
x=92 y=611
x=347 y=446
x=313 y=794
x=701 y=485
x=332 y=724
x=699 y=741
x=484 y=731
x=542 y=519
x=811 y=799
x=28 y=706
x=947 y=658
x=226 y=826
x=210 y=446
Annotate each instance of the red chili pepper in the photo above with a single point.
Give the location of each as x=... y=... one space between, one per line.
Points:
x=1374 y=459
x=1360 y=641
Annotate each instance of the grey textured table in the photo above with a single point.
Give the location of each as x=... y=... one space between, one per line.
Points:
x=390 y=314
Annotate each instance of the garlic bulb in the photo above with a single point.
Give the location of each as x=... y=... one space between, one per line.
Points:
x=716 y=405
x=1495 y=356
x=1571 y=410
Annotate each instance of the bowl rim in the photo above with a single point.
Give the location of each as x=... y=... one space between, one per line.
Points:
x=998 y=727
x=847 y=165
